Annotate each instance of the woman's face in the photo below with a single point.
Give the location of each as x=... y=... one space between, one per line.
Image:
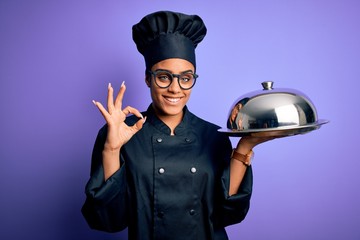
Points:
x=170 y=101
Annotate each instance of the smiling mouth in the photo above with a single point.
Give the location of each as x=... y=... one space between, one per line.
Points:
x=172 y=100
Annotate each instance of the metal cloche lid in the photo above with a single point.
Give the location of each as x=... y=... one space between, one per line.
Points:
x=272 y=112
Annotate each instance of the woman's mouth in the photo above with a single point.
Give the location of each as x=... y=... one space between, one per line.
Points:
x=172 y=100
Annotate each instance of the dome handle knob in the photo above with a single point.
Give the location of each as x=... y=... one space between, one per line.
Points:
x=268 y=85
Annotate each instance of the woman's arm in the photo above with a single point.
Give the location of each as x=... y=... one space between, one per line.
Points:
x=118 y=132
x=237 y=166
x=106 y=206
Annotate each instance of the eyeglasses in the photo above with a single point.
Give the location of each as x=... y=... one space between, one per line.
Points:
x=163 y=79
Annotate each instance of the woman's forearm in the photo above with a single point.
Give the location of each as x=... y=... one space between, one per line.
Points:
x=111 y=162
x=237 y=172
x=238 y=168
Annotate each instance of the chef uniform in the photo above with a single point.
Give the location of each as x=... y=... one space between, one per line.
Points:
x=168 y=186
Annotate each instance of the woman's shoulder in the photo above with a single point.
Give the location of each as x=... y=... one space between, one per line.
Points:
x=205 y=127
x=208 y=131
x=194 y=119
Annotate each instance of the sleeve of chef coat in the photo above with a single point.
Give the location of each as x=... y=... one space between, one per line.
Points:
x=105 y=207
x=234 y=208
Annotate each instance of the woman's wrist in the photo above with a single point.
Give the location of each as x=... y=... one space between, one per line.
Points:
x=243 y=158
x=111 y=148
x=111 y=162
x=243 y=148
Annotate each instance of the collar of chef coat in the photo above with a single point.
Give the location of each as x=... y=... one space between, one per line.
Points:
x=181 y=129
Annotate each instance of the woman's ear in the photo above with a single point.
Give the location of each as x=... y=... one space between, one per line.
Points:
x=147 y=80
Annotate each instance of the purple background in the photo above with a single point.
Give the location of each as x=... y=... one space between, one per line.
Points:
x=56 y=56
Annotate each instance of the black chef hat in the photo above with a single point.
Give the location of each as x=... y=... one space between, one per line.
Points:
x=162 y=35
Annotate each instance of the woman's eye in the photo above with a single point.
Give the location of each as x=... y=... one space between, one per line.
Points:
x=163 y=77
x=186 y=78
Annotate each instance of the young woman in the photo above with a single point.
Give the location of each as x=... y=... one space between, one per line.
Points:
x=165 y=173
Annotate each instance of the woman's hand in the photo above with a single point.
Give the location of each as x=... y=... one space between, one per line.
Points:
x=118 y=132
x=247 y=143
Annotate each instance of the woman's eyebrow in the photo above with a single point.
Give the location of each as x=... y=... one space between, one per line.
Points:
x=166 y=70
x=187 y=71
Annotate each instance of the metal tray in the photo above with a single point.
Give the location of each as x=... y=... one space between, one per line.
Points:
x=275 y=132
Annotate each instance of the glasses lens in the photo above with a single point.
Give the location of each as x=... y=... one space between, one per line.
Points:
x=163 y=79
x=187 y=80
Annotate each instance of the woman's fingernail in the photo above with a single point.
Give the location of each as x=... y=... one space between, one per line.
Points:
x=123 y=84
x=94 y=102
x=144 y=120
x=109 y=85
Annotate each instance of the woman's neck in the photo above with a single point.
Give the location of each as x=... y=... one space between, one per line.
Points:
x=172 y=121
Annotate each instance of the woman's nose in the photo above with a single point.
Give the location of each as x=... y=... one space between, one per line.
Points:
x=174 y=86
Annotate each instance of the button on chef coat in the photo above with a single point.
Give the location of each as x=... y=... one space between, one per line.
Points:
x=169 y=187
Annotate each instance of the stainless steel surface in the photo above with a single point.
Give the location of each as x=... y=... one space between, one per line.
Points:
x=272 y=112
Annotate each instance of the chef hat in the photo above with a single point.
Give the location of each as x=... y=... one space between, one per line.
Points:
x=162 y=35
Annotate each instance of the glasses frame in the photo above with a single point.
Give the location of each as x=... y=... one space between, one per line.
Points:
x=153 y=75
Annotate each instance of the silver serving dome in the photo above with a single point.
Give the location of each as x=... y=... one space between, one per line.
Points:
x=272 y=112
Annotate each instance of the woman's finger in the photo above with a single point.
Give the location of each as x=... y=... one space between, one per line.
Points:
x=119 y=97
x=110 y=99
x=102 y=110
x=132 y=110
x=138 y=125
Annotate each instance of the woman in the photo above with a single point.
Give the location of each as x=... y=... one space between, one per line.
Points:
x=165 y=173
